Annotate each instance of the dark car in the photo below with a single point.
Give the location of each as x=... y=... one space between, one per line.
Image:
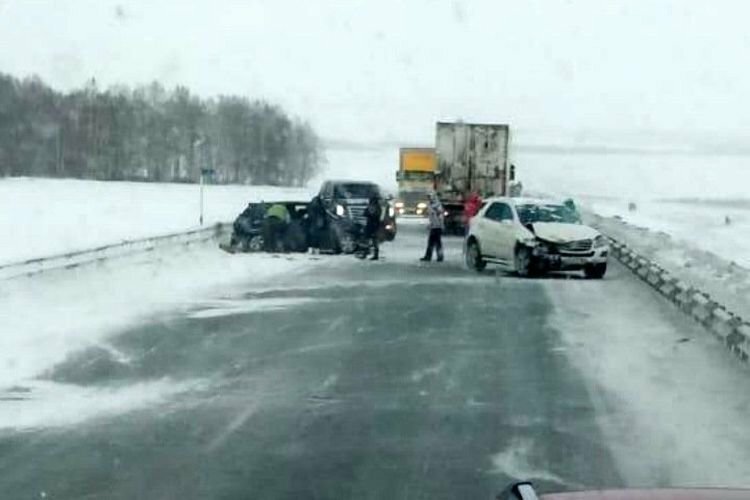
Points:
x=247 y=229
x=345 y=203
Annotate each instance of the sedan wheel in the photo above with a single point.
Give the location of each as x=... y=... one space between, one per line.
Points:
x=523 y=262
x=255 y=244
x=474 y=257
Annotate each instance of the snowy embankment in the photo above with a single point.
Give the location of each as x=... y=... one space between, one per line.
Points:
x=690 y=241
x=41 y=217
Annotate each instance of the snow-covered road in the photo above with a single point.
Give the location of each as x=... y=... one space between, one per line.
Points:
x=46 y=317
x=337 y=375
x=669 y=397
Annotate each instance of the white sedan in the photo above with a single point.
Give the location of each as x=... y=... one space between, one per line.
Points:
x=534 y=236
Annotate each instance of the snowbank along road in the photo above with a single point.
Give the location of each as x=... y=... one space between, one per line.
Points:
x=391 y=379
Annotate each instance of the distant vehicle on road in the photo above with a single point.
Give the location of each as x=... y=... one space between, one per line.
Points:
x=416 y=180
x=532 y=237
x=345 y=203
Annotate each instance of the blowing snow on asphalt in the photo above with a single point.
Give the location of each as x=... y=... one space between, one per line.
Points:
x=349 y=379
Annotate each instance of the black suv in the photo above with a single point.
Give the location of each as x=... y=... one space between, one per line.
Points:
x=345 y=203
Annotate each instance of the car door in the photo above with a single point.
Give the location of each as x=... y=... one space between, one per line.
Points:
x=506 y=235
x=490 y=231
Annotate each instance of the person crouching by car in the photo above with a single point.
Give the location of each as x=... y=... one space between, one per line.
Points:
x=372 y=225
x=436 y=217
x=274 y=227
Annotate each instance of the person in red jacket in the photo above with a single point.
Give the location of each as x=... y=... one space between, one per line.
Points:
x=471 y=207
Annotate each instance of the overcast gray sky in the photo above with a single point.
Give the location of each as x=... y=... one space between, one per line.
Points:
x=387 y=69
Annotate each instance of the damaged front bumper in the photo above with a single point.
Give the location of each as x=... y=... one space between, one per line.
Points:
x=551 y=258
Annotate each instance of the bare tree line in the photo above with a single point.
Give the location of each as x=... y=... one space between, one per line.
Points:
x=150 y=133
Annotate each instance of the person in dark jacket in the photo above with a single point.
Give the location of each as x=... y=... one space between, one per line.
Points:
x=318 y=224
x=436 y=217
x=372 y=225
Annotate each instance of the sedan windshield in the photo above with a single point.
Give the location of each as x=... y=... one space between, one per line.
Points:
x=531 y=213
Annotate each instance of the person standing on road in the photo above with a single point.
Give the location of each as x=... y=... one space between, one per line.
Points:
x=372 y=225
x=471 y=207
x=436 y=217
x=318 y=223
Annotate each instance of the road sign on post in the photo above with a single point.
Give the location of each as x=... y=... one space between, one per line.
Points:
x=205 y=172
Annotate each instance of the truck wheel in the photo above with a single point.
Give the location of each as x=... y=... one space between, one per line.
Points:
x=474 y=257
x=522 y=262
x=595 y=271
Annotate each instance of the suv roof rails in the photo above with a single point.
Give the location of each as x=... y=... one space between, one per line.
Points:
x=523 y=490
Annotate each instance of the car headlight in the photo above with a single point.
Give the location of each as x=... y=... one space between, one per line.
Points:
x=340 y=210
x=600 y=241
x=399 y=204
x=422 y=205
x=391 y=212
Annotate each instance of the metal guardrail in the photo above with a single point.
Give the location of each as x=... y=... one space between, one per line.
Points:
x=126 y=248
x=729 y=327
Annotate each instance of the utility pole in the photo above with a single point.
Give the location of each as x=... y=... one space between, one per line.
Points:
x=196 y=146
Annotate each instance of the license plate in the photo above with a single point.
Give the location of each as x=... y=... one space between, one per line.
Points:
x=575 y=261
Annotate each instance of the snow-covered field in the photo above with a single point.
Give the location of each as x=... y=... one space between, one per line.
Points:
x=40 y=217
x=700 y=224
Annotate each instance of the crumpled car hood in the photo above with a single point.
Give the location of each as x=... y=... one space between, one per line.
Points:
x=558 y=232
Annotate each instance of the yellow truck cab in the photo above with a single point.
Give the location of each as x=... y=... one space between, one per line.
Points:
x=416 y=179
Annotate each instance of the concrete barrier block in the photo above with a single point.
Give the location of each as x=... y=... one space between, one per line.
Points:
x=654 y=276
x=683 y=295
x=700 y=299
x=642 y=272
x=701 y=313
x=742 y=346
x=668 y=289
x=722 y=323
x=744 y=330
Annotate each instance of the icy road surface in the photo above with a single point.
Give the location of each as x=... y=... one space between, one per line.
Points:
x=384 y=380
